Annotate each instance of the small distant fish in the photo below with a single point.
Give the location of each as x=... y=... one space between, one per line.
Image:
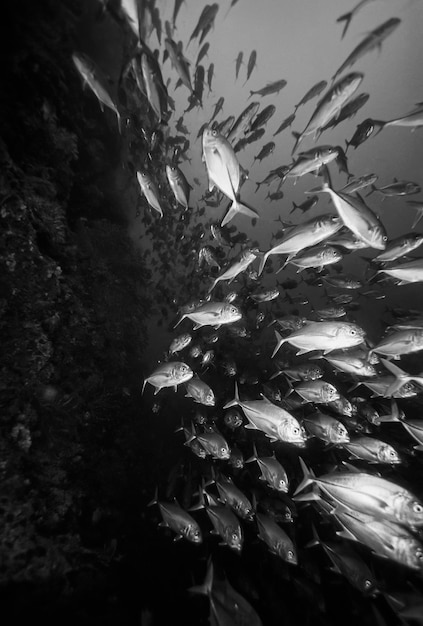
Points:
x=266 y=151
x=238 y=63
x=270 y=88
x=312 y=93
x=287 y=122
x=202 y=53
x=364 y=130
x=252 y=62
x=306 y=205
x=263 y=117
x=210 y=74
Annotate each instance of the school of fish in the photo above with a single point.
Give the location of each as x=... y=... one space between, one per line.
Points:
x=300 y=427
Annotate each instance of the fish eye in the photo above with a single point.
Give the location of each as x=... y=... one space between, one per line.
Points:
x=419 y=553
x=368 y=584
x=290 y=554
x=384 y=238
x=417 y=508
x=214 y=133
x=296 y=431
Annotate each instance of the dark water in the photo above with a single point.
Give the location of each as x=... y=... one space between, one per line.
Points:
x=310 y=50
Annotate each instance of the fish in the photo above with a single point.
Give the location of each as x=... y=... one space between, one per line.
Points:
x=399 y=247
x=231 y=495
x=313 y=92
x=179 y=62
x=373 y=40
x=315 y=256
x=306 y=205
x=223 y=171
x=385 y=538
x=406 y=273
x=227 y=606
x=417 y=206
x=348 y=563
x=217 y=108
x=150 y=191
x=270 y=88
x=93 y=77
x=154 y=85
x=242 y=123
x=266 y=151
x=287 y=122
x=303 y=236
x=349 y=109
x=238 y=63
x=179 y=185
x=372 y=450
x=179 y=520
x=326 y=428
x=252 y=62
x=169 y=374
x=276 y=539
x=357 y=217
x=412 y=120
x=359 y=182
x=205 y=22
x=397 y=188
x=210 y=74
x=246 y=257
x=367 y=494
x=225 y=524
x=329 y=106
x=347 y=17
x=180 y=343
x=276 y=423
x=202 y=52
x=262 y=117
x=176 y=9
x=200 y=391
x=317 y=391
x=312 y=160
x=363 y=131
x=213 y=314
x=326 y=336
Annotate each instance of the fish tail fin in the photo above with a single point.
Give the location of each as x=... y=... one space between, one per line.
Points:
x=235 y=401
x=316 y=539
x=263 y=262
x=280 y=341
x=372 y=190
x=381 y=125
x=179 y=321
x=307 y=479
x=298 y=137
x=347 y=17
x=254 y=457
x=155 y=498
x=295 y=206
x=206 y=587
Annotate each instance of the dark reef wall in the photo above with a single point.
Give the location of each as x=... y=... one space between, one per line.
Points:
x=73 y=305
